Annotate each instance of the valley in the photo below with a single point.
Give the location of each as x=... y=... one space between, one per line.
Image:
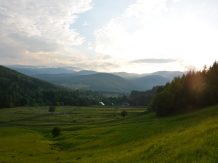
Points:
x=99 y=81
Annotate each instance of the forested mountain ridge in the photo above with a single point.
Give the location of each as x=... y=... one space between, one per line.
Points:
x=169 y=74
x=147 y=82
x=17 y=89
x=9 y=79
x=105 y=82
x=97 y=82
x=30 y=71
x=197 y=89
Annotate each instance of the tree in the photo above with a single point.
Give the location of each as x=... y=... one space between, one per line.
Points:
x=23 y=101
x=56 y=131
x=5 y=101
x=52 y=109
x=124 y=113
x=85 y=103
x=40 y=101
x=61 y=103
x=163 y=103
x=32 y=101
x=47 y=102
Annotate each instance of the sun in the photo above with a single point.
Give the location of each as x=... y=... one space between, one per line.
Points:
x=198 y=62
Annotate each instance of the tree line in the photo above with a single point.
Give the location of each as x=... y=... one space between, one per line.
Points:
x=195 y=89
x=17 y=89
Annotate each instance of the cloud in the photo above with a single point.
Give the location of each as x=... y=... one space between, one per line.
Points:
x=145 y=9
x=47 y=19
x=126 y=36
x=42 y=33
x=176 y=1
x=103 y=66
x=153 y=60
x=85 y=23
x=37 y=30
x=34 y=43
x=151 y=29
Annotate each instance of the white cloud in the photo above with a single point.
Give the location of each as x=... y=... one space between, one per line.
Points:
x=44 y=18
x=40 y=33
x=176 y=1
x=85 y=23
x=159 y=32
x=115 y=39
x=38 y=28
x=126 y=38
x=145 y=9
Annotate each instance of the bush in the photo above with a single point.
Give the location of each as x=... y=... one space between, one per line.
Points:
x=56 y=131
x=52 y=109
x=124 y=113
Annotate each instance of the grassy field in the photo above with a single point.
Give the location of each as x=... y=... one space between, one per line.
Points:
x=99 y=134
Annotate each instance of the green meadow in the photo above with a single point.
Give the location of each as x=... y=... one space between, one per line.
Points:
x=101 y=135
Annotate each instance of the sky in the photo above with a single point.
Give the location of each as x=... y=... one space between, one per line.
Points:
x=135 y=36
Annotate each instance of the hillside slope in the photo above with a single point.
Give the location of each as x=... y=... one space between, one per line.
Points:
x=17 y=89
x=31 y=71
x=105 y=81
x=168 y=74
x=99 y=82
x=147 y=82
x=140 y=138
x=91 y=80
x=15 y=80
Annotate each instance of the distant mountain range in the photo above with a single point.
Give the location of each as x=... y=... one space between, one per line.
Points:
x=147 y=82
x=30 y=71
x=86 y=79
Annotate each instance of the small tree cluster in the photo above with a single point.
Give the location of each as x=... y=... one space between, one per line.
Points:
x=52 y=109
x=124 y=113
x=56 y=131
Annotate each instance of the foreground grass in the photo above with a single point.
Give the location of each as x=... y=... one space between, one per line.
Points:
x=95 y=135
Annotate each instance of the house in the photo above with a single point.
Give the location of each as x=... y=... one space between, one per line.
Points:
x=125 y=104
x=101 y=103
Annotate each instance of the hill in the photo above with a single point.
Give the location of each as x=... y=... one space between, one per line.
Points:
x=94 y=135
x=89 y=80
x=126 y=75
x=18 y=89
x=85 y=72
x=147 y=82
x=166 y=74
x=13 y=79
x=99 y=82
x=199 y=89
x=57 y=72
x=169 y=74
x=105 y=81
x=31 y=71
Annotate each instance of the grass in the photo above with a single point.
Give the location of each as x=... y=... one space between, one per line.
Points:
x=95 y=134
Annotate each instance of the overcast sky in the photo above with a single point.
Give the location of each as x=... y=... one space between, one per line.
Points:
x=137 y=36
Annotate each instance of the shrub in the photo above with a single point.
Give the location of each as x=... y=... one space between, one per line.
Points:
x=124 y=113
x=56 y=131
x=52 y=109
